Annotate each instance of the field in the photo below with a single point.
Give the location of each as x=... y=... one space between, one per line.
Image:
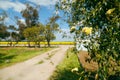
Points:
x=12 y=55
x=33 y=43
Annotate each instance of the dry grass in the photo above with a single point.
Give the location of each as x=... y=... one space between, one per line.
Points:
x=89 y=66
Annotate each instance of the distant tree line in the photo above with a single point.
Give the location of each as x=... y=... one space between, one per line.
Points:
x=31 y=29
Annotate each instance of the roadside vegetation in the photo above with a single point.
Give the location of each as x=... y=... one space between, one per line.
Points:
x=71 y=69
x=13 y=55
x=64 y=69
x=99 y=22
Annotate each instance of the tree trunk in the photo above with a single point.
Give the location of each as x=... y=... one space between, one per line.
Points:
x=15 y=43
x=39 y=44
x=35 y=45
x=48 y=43
x=11 y=44
x=28 y=44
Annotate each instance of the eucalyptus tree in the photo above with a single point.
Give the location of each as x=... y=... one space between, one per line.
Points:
x=13 y=34
x=31 y=15
x=3 y=28
x=3 y=31
x=35 y=34
x=21 y=27
x=41 y=36
x=51 y=28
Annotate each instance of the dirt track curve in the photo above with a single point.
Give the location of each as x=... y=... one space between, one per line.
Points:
x=32 y=69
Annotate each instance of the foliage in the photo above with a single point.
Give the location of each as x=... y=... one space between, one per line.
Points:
x=34 y=34
x=31 y=33
x=21 y=27
x=3 y=28
x=31 y=15
x=3 y=31
x=3 y=15
x=63 y=70
x=31 y=19
x=51 y=28
x=103 y=16
x=14 y=36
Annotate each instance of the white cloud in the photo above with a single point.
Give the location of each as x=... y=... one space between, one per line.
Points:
x=67 y=35
x=8 y=20
x=17 y=6
x=57 y=12
x=44 y=2
x=59 y=37
x=67 y=32
x=22 y=21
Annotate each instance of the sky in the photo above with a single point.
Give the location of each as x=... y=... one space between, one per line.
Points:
x=46 y=10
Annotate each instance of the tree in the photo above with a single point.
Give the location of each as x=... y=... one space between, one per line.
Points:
x=3 y=15
x=31 y=19
x=41 y=34
x=3 y=28
x=12 y=29
x=31 y=15
x=21 y=27
x=51 y=28
x=30 y=34
x=3 y=31
x=34 y=34
x=103 y=16
x=14 y=36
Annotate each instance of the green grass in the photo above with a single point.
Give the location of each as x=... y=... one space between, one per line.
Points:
x=63 y=71
x=10 y=56
x=40 y=62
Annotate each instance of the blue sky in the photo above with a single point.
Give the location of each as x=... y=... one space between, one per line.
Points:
x=47 y=9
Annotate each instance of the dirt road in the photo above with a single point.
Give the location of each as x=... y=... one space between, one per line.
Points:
x=38 y=68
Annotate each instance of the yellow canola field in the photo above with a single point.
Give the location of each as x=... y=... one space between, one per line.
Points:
x=42 y=43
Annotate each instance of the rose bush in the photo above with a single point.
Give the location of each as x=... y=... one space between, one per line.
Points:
x=104 y=46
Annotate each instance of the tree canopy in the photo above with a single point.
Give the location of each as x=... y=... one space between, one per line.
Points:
x=31 y=15
x=3 y=31
x=51 y=28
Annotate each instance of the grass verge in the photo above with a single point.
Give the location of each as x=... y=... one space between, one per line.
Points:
x=10 y=56
x=70 y=62
x=63 y=71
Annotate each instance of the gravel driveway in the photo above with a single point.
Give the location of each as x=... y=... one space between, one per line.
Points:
x=38 y=68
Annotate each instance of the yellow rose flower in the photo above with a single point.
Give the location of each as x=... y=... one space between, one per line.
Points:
x=73 y=1
x=64 y=1
x=110 y=11
x=72 y=29
x=74 y=69
x=87 y=30
x=96 y=77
